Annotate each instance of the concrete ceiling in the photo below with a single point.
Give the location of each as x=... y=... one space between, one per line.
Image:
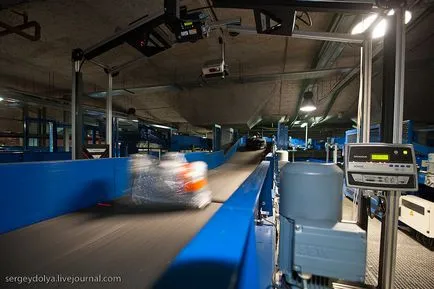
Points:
x=43 y=67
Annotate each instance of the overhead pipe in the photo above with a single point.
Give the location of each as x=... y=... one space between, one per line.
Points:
x=62 y=104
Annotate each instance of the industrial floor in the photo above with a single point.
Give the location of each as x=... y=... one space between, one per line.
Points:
x=414 y=262
x=135 y=244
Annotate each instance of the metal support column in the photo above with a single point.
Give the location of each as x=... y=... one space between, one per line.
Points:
x=360 y=101
x=25 y=128
x=109 y=116
x=390 y=219
x=66 y=132
x=76 y=111
x=362 y=219
x=116 y=138
x=93 y=135
x=39 y=127
x=367 y=76
x=306 y=136
x=52 y=136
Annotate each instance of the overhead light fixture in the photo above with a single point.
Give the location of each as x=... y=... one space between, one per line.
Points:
x=160 y=126
x=381 y=28
x=307 y=105
x=297 y=122
x=363 y=25
x=135 y=120
x=407 y=15
x=304 y=124
x=1 y=98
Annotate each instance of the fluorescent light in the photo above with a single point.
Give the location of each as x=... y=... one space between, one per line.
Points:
x=381 y=28
x=304 y=124
x=407 y=16
x=297 y=122
x=1 y=98
x=160 y=126
x=363 y=25
x=135 y=120
x=308 y=108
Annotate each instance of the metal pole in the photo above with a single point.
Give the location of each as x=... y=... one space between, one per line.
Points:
x=44 y=127
x=359 y=107
x=25 y=128
x=305 y=144
x=389 y=240
x=50 y=137
x=39 y=127
x=362 y=217
x=109 y=116
x=335 y=154
x=66 y=138
x=328 y=36
x=76 y=111
x=367 y=75
x=311 y=35
x=75 y=71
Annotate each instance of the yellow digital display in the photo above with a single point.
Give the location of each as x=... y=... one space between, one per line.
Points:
x=380 y=157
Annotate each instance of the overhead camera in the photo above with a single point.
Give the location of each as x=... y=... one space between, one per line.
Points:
x=192 y=26
x=216 y=67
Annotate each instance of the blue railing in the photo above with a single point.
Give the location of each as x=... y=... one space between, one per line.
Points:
x=223 y=254
x=32 y=192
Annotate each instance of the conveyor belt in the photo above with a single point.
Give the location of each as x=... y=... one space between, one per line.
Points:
x=135 y=244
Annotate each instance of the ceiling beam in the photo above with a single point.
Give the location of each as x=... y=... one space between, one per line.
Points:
x=177 y=87
x=11 y=3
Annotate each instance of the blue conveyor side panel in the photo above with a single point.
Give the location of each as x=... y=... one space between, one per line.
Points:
x=216 y=255
x=213 y=159
x=265 y=250
x=32 y=192
x=249 y=273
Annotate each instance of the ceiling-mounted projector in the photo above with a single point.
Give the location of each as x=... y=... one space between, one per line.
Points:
x=216 y=67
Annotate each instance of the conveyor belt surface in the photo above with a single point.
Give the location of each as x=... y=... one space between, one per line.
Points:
x=134 y=244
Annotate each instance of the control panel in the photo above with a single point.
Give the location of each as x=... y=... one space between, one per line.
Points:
x=380 y=166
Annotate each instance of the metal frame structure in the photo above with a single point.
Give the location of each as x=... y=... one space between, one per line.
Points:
x=391 y=216
x=389 y=256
